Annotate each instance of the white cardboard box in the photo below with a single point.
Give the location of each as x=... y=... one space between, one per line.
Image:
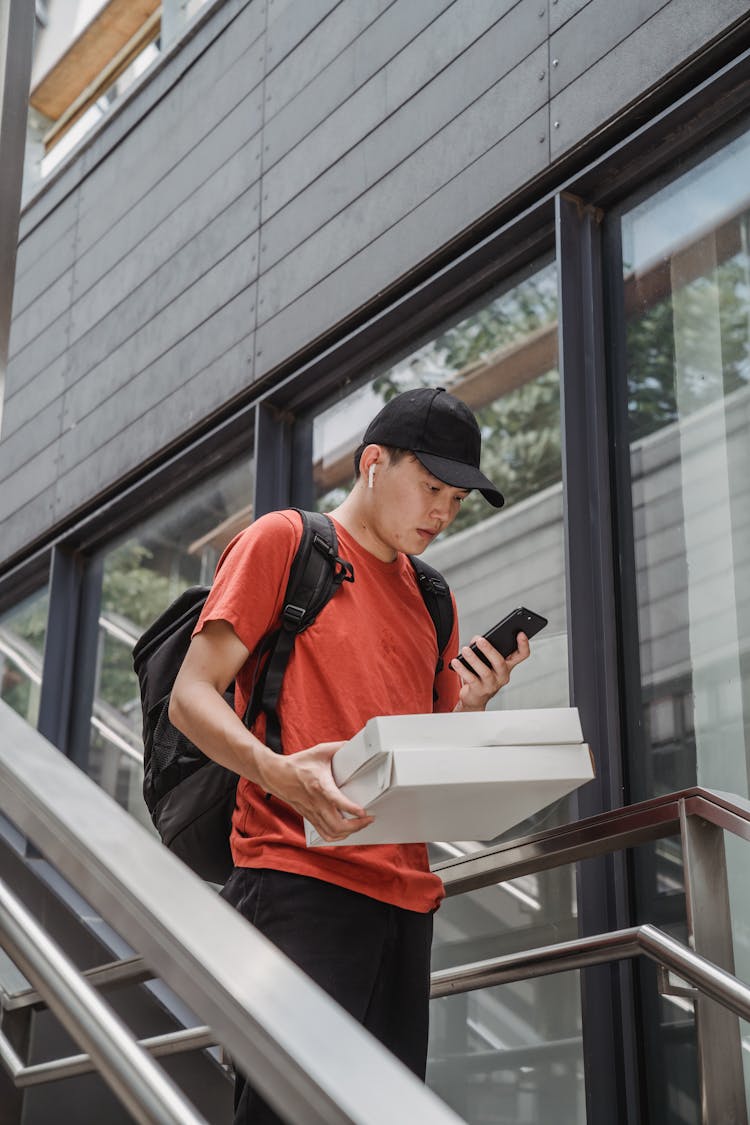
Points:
x=458 y=777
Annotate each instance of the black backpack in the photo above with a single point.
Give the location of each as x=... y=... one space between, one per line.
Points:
x=190 y=797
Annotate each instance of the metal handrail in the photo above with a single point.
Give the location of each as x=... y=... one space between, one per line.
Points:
x=128 y=970
x=595 y=836
x=71 y=1066
x=142 y=1087
x=275 y=1023
x=618 y=945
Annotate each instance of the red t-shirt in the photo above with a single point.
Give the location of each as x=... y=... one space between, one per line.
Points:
x=371 y=651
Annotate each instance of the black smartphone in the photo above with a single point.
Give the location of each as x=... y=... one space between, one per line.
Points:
x=504 y=635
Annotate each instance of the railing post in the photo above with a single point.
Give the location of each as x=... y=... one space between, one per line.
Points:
x=722 y=1083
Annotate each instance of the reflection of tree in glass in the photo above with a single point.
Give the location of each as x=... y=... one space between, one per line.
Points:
x=132 y=588
x=521 y=428
x=29 y=625
x=136 y=594
x=652 y=398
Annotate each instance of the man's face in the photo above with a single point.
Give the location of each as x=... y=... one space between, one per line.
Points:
x=411 y=505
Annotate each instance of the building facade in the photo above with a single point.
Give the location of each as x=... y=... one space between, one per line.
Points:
x=299 y=207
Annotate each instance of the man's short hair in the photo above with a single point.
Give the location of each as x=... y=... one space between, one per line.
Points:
x=394 y=455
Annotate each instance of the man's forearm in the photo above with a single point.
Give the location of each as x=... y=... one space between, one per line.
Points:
x=205 y=717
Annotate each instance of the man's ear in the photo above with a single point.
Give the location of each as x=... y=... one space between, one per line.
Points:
x=371 y=455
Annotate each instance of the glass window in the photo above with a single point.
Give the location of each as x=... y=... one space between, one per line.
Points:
x=176 y=548
x=687 y=296
x=514 y=1052
x=22 y=632
x=500 y=357
x=686 y=276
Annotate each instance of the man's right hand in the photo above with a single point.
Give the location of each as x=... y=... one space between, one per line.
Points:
x=305 y=782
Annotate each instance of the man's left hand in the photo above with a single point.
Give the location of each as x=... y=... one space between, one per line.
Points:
x=478 y=687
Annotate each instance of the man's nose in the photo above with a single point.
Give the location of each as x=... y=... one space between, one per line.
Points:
x=441 y=508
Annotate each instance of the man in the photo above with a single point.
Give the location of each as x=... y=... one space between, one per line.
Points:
x=358 y=920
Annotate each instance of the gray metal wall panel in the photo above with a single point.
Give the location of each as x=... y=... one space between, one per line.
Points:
x=135 y=442
x=48 y=306
x=21 y=406
x=593 y=33
x=42 y=207
x=637 y=63
x=232 y=28
x=289 y=23
x=190 y=316
x=169 y=136
x=562 y=10
x=516 y=159
x=93 y=417
x=35 y=479
x=424 y=87
x=43 y=267
x=49 y=343
x=30 y=520
x=44 y=236
x=181 y=198
x=498 y=112
x=384 y=38
x=320 y=49
x=146 y=282
x=406 y=131
x=35 y=436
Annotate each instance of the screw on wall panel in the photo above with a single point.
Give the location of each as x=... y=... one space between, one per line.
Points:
x=541 y=76
x=555 y=62
x=542 y=139
x=557 y=124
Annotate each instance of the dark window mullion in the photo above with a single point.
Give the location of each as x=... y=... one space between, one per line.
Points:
x=273 y=460
x=70 y=652
x=607 y=996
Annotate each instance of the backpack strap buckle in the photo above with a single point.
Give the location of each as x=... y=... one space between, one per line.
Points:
x=343 y=571
x=293 y=614
x=432 y=582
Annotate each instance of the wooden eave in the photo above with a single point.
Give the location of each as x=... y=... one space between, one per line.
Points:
x=89 y=54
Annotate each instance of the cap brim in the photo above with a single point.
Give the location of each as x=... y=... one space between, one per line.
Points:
x=459 y=475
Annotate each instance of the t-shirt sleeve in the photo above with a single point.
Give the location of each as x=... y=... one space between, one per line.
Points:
x=447 y=682
x=251 y=577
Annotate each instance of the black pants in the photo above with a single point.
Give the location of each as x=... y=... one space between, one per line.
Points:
x=374 y=959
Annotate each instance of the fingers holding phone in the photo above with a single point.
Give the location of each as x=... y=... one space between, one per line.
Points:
x=485 y=665
x=483 y=671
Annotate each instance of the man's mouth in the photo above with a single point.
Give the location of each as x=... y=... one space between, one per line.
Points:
x=426 y=533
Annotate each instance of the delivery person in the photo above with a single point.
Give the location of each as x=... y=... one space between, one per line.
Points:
x=358 y=920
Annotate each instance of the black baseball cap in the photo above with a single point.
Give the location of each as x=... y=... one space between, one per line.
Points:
x=441 y=432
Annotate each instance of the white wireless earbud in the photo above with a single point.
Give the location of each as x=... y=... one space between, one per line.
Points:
x=370 y=476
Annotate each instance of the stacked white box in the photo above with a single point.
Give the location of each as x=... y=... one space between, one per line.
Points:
x=456 y=776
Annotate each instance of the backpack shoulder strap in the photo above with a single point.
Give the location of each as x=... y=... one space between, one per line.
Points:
x=316 y=574
x=437 y=598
